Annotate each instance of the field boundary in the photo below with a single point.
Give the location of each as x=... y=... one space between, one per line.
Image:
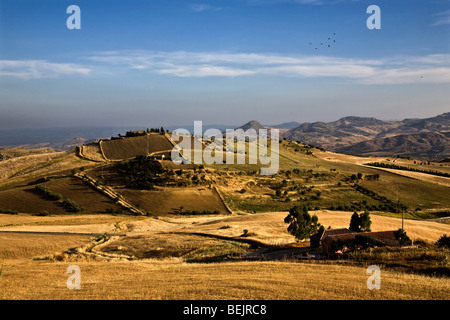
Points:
x=101 y=150
x=108 y=192
x=81 y=154
x=221 y=198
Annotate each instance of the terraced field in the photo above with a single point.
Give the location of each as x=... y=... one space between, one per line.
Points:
x=127 y=148
x=26 y=199
x=168 y=201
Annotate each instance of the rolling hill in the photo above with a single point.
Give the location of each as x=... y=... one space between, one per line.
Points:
x=428 y=144
x=361 y=135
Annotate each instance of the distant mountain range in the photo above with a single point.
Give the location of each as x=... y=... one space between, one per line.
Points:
x=427 y=138
x=370 y=136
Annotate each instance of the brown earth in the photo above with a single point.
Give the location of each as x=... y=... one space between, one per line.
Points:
x=127 y=148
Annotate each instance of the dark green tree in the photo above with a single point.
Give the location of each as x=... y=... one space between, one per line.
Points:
x=364 y=221
x=301 y=224
x=443 y=242
x=401 y=236
x=355 y=222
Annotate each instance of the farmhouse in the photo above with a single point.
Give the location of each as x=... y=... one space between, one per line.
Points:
x=325 y=240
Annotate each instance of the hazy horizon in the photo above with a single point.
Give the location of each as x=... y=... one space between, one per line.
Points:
x=153 y=63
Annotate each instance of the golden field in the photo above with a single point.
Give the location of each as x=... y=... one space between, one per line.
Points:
x=172 y=277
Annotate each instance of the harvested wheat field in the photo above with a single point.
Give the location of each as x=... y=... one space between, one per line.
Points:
x=171 y=279
x=28 y=246
x=71 y=223
x=270 y=228
x=444 y=181
x=39 y=165
x=167 y=201
x=92 y=152
x=26 y=199
x=87 y=197
x=120 y=149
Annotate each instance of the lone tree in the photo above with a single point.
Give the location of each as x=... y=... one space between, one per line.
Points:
x=301 y=224
x=355 y=222
x=360 y=223
x=365 y=221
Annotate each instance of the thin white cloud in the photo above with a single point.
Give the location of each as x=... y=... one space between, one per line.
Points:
x=204 y=71
x=37 y=69
x=200 y=7
x=441 y=18
x=433 y=68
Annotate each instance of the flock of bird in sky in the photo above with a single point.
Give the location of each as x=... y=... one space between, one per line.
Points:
x=327 y=43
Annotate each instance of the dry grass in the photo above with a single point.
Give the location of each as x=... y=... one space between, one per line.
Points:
x=92 y=151
x=84 y=195
x=421 y=176
x=25 y=199
x=170 y=279
x=131 y=147
x=270 y=227
x=67 y=223
x=167 y=245
x=35 y=166
x=168 y=200
x=26 y=246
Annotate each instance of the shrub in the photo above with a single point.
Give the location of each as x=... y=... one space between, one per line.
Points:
x=401 y=236
x=73 y=205
x=443 y=242
x=7 y=211
x=48 y=193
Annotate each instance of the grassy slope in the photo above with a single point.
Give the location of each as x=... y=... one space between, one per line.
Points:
x=412 y=192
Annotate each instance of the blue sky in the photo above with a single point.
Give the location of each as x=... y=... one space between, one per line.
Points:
x=163 y=62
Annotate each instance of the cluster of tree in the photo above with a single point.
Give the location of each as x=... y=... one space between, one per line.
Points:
x=73 y=206
x=357 y=176
x=130 y=134
x=375 y=176
x=361 y=241
x=160 y=130
x=358 y=206
x=394 y=166
x=48 y=193
x=389 y=205
x=360 y=222
x=142 y=172
x=401 y=236
x=8 y=211
x=443 y=242
x=195 y=212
